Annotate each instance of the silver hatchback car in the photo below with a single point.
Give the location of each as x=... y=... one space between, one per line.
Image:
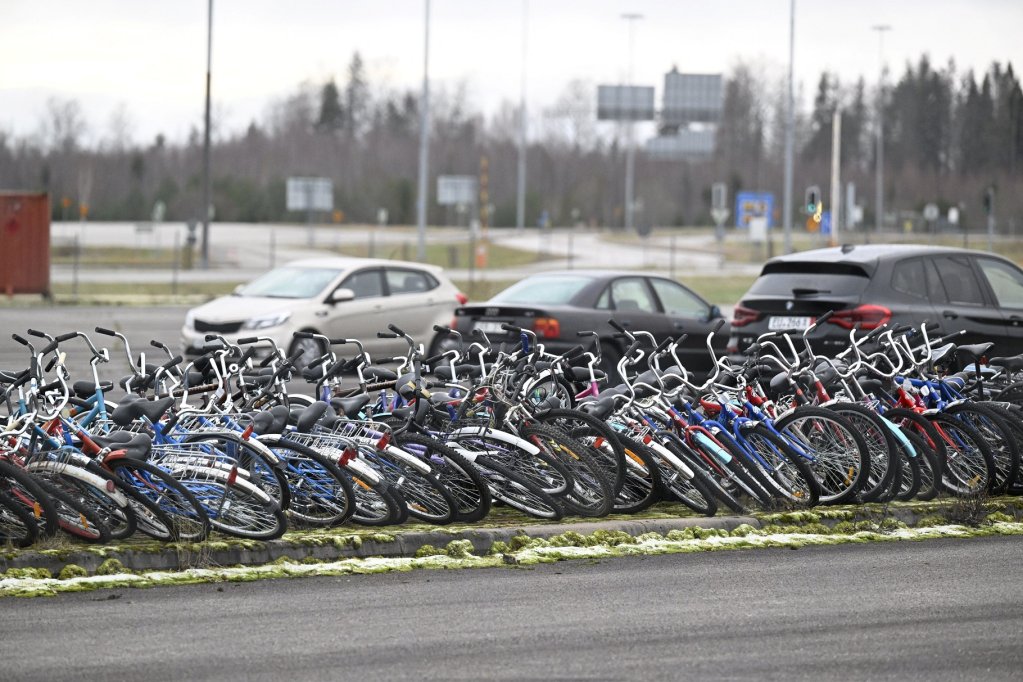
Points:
x=337 y=297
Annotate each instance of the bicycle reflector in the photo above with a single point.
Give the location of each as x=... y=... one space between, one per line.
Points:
x=346 y=456
x=384 y=441
x=247 y=432
x=233 y=476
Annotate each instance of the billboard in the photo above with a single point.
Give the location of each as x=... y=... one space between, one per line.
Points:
x=684 y=144
x=692 y=98
x=625 y=103
x=310 y=194
x=456 y=189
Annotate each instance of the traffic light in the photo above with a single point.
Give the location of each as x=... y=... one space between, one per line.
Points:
x=813 y=199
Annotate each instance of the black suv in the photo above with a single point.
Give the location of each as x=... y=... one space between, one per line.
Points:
x=885 y=283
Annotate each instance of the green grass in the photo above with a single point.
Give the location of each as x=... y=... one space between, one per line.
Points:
x=94 y=289
x=115 y=256
x=448 y=255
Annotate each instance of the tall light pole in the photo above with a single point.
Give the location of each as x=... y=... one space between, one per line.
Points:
x=630 y=155
x=206 y=143
x=424 y=146
x=790 y=133
x=520 y=202
x=879 y=174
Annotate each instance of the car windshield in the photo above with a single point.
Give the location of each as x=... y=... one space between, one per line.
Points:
x=291 y=282
x=543 y=289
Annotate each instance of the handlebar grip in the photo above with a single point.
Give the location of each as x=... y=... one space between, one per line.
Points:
x=825 y=317
x=67 y=337
x=634 y=346
x=663 y=345
x=932 y=327
x=247 y=340
x=573 y=352
x=511 y=328
x=386 y=335
x=303 y=335
x=50 y=386
x=614 y=323
x=586 y=333
x=317 y=362
x=20 y=339
x=157 y=344
x=176 y=360
x=52 y=346
x=718 y=325
x=104 y=330
x=434 y=359
x=211 y=337
x=441 y=329
x=397 y=330
x=338 y=342
x=249 y=352
x=36 y=332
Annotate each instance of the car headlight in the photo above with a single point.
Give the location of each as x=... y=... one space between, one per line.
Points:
x=190 y=320
x=266 y=321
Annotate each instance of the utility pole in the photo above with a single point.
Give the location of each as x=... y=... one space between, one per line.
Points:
x=424 y=147
x=520 y=199
x=789 y=132
x=836 y=177
x=879 y=173
x=206 y=143
x=630 y=156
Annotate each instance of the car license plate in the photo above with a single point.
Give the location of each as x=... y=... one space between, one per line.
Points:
x=490 y=326
x=786 y=323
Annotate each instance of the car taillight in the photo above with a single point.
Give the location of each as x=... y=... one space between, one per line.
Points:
x=547 y=328
x=461 y=298
x=742 y=316
x=866 y=316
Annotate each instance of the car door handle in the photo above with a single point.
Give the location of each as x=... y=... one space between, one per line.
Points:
x=950 y=314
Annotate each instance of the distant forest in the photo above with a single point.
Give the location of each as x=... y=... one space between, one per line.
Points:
x=948 y=136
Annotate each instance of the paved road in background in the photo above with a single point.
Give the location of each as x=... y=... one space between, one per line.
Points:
x=936 y=610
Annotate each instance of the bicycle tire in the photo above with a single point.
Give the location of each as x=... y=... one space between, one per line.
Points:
x=882 y=448
x=641 y=484
x=688 y=487
x=991 y=426
x=911 y=476
x=320 y=492
x=597 y=434
x=786 y=471
x=75 y=517
x=519 y=493
x=233 y=507
x=18 y=526
x=968 y=465
x=262 y=473
x=188 y=521
x=467 y=487
x=914 y=424
x=375 y=504
x=591 y=494
x=711 y=477
x=20 y=485
x=840 y=455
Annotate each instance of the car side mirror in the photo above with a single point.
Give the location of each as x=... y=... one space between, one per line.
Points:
x=715 y=312
x=340 y=296
x=238 y=289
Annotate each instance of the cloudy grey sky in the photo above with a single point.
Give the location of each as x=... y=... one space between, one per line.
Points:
x=149 y=55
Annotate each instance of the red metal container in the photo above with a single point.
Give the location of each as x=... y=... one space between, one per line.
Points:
x=24 y=243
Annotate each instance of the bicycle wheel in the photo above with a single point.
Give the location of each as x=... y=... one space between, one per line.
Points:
x=683 y=483
x=375 y=504
x=591 y=493
x=838 y=455
x=641 y=484
x=518 y=493
x=229 y=449
x=968 y=467
x=596 y=434
x=234 y=506
x=541 y=469
x=463 y=481
x=179 y=515
x=715 y=473
x=18 y=526
x=881 y=446
x=991 y=427
x=426 y=497
x=930 y=445
x=22 y=487
x=911 y=474
x=787 y=472
x=321 y=494
x=75 y=516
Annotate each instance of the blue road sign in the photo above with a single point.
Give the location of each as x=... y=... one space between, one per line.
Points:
x=752 y=205
x=825 y=222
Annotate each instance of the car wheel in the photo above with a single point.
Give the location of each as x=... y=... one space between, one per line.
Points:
x=440 y=344
x=310 y=349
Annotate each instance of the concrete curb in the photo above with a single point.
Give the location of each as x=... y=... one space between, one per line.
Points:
x=337 y=544
x=334 y=546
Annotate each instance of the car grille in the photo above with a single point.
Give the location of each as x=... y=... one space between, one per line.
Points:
x=217 y=327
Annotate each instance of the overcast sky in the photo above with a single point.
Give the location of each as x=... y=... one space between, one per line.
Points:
x=149 y=56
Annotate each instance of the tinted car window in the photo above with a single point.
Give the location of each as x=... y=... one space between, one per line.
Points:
x=909 y=277
x=408 y=281
x=365 y=283
x=676 y=300
x=961 y=285
x=782 y=279
x=1005 y=280
x=631 y=293
x=540 y=289
x=290 y=282
x=935 y=290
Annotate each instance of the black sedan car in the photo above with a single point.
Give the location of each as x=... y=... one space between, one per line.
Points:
x=871 y=285
x=556 y=305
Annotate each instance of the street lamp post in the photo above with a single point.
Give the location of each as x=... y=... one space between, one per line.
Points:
x=879 y=174
x=520 y=199
x=424 y=147
x=206 y=143
x=790 y=117
x=630 y=155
